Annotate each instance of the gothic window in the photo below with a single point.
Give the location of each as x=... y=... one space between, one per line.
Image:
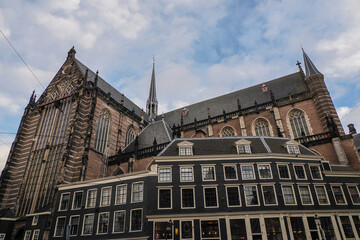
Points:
x=262 y=128
x=130 y=135
x=227 y=132
x=298 y=123
x=102 y=131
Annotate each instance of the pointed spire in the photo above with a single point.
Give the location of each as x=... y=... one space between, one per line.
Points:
x=310 y=68
x=152 y=103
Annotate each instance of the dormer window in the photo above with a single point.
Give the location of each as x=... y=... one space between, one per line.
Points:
x=292 y=147
x=185 y=148
x=243 y=146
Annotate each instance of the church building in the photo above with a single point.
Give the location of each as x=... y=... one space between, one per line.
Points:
x=81 y=129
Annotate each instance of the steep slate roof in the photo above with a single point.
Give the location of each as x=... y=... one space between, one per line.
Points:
x=226 y=145
x=115 y=94
x=159 y=130
x=281 y=87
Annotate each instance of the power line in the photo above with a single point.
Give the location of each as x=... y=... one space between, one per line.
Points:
x=22 y=60
x=4 y=143
x=351 y=111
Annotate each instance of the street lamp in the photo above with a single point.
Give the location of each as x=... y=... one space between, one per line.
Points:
x=318 y=226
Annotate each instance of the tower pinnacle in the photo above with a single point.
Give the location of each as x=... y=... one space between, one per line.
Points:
x=310 y=68
x=152 y=103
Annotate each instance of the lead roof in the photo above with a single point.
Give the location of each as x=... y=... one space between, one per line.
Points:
x=281 y=87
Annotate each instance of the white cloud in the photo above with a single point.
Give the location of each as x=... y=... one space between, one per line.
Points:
x=8 y=104
x=67 y=6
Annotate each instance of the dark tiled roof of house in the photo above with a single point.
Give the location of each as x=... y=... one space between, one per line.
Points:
x=226 y=145
x=281 y=87
x=115 y=94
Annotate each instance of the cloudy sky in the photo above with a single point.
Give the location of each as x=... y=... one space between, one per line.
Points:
x=203 y=48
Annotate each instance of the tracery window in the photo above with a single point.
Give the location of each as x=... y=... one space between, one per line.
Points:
x=262 y=128
x=130 y=135
x=102 y=131
x=227 y=132
x=298 y=123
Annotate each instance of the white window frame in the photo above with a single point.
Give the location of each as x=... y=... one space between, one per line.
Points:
x=132 y=192
x=303 y=167
x=73 y=201
x=192 y=228
x=35 y=220
x=162 y=168
x=317 y=195
x=253 y=171
x=79 y=224
x=60 y=203
x=192 y=172
x=301 y=197
x=216 y=193
x=262 y=191
x=98 y=222
x=181 y=196
x=142 y=223
x=357 y=190
x=312 y=177
x=83 y=225
x=263 y=164
x=257 y=195
x=202 y=172
x=116 y=194
x=287 y=166
x=236 y=172
x=245 y=145
x=295 y=149
x=342 y=191
x=207 y=220
x=113 y=230
x=171 y=202
x=101 y=196
x=293 y=193
x=227 y=196
x=27 y=235
x=56 y=225
x=185 y=145
x=36 y=231
x=87 y=197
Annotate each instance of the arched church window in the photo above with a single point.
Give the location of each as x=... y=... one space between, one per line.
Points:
x=262 y=127
x=102 y=131
x=298 y=123
x=130 y=135
x=227 y=132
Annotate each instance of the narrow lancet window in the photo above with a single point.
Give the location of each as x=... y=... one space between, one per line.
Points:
x=102 y=131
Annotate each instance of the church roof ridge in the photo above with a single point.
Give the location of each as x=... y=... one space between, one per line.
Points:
x=107 y=88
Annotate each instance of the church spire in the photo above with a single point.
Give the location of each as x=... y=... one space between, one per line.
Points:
x=310 y=68
x=152 y=103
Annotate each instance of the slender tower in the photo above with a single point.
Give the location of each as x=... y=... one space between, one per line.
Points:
x=323 y=103
x=152 y=103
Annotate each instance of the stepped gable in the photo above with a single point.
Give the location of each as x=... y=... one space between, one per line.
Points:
x=219 y=146
x=115 y=94
x=281 y=87
x=158 y=130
